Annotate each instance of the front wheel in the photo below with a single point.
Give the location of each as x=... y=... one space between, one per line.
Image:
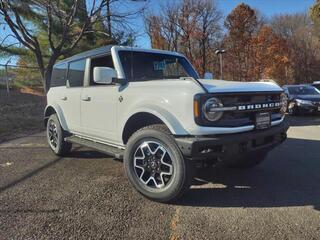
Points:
x=155 y=166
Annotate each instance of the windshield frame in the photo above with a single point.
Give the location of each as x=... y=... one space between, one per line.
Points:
x=121 y=72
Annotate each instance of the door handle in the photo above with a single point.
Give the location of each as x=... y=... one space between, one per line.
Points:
x=64 y=98
x=86 y=98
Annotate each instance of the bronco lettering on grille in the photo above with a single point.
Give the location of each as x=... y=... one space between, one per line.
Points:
x=258 y=106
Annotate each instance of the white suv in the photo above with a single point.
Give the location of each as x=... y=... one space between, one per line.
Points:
x=150 y=108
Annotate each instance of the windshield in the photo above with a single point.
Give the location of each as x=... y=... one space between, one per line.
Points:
x=144 y=66
x=302 y=90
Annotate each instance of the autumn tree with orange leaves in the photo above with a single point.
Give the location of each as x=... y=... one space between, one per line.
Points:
x=191 y=27
x=254 y=51
x=241 y=24
x=300 y=34
x=270 y=56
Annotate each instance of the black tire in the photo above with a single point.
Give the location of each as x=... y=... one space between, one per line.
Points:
x=249 y=160
x=58 y=145
x=181 y=177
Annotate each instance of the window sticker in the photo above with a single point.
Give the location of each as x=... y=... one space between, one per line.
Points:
x=159 y=66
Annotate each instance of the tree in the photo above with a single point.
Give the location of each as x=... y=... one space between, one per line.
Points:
x=315 y=12
x=315 y=16
x=304 y=47
x=154 y=29
x=61 y=25
x=207 y=31
x=241 y=24
x=270 y=56
x=188 y=26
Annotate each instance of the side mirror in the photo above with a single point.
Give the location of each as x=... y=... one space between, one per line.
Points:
x=208 y=75
x=104 y=75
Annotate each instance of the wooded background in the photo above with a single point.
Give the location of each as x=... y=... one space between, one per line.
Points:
x=285 y=48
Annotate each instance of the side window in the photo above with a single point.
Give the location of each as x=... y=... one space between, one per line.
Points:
x=58 y=77
x=105 y=61
x=76 y=73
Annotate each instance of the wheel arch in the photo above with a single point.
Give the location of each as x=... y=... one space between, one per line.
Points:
x=54 y=109
x=144 y=118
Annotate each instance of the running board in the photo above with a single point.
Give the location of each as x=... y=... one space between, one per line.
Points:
x=110 y=150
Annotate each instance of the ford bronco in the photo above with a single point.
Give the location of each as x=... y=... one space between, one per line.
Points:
x=151 y=109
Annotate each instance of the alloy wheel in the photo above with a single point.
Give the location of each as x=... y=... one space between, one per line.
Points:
x=153 y=164
x=53 y=134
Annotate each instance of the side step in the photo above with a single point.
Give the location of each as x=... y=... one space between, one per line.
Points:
x=110 y=150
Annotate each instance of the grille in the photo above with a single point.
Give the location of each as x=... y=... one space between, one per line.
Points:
x=248 y=98
x=247 y=117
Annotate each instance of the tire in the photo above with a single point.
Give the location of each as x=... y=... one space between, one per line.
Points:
x=249 y=160
x=56 y=135
x=149 y=154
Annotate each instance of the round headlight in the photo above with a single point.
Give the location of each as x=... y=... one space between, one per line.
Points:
x=211 y=109
x=283 y=103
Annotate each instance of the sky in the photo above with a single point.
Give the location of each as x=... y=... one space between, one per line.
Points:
x=267 y=7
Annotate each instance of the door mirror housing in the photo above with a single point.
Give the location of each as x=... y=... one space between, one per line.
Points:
x=104 y=75
x=208 y=75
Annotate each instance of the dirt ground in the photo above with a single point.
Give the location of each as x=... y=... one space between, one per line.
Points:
x=21 y=113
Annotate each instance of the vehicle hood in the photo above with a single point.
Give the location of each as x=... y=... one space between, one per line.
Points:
x=307 y=97
x=220 y=86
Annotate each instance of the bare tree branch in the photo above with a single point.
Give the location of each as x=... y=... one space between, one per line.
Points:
x=49 y=13
x=64 y=26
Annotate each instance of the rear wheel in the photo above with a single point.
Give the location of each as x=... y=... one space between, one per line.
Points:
x=56 y=135
x=155 y=165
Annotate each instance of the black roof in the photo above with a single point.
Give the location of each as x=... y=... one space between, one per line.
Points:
x=96 y=51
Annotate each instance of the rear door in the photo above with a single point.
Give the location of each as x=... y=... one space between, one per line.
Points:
x=99 y=104
x=70 y=99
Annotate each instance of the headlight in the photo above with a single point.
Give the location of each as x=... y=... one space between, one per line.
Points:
x=211 y=109
x=305 y=102
x=283 y=103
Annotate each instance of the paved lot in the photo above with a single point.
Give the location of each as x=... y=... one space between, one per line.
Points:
x=86 y=195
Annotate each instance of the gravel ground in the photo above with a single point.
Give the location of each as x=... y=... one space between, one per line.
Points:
x=87 y=196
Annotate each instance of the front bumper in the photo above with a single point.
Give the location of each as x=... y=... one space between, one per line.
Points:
x=308 y=108
x=204 y=147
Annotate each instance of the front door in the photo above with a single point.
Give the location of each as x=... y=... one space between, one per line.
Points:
x=99 y=104
x=99 y=111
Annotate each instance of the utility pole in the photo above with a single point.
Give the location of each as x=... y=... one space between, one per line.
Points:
x=219 y=52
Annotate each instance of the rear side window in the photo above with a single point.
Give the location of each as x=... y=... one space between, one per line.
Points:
x=76 y=73
x=58 y=77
